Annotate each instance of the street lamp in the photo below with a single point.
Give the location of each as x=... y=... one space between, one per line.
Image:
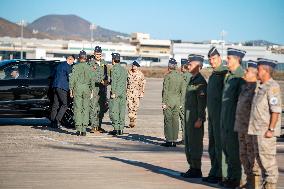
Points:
x=92 y=28
x=22 y=23
x=223 y=33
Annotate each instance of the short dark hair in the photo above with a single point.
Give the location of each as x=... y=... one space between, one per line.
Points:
x=116 y=61
x=71 y=55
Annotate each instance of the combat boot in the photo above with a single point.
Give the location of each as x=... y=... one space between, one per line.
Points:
x=192 y=173
x=132 y=123
x=120 y=132
x=269 y=185
x=114 y=132
x=94 y=129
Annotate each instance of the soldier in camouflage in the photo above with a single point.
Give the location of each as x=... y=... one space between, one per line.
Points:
x=247 y=155
x=265 y=122
x=135 y=91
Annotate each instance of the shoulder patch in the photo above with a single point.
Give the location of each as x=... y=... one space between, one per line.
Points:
x=273 y=101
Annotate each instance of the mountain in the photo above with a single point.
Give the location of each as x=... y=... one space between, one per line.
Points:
x=258 y=43
x=72 y=27
x=10 y=29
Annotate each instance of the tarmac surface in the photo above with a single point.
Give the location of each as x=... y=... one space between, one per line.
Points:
x=34 y=156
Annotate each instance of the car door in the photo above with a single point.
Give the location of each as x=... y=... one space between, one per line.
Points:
x=39 y=86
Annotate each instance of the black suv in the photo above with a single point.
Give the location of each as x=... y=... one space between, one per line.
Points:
x=25 y=87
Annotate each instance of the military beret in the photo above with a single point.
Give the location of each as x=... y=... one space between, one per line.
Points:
x=252 y=64
x=98 y=49
x=195 y=57
x=183 y=61
x=212 y=52
x=115 y=56
x=236 y=52
x=172 y=61
x=135 y=63
x=82 y=54
x=268 y=62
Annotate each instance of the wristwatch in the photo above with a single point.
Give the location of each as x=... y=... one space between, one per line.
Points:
x=272 y=130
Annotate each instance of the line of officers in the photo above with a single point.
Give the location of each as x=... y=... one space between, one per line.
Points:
x=244 y=115
x=87 y=83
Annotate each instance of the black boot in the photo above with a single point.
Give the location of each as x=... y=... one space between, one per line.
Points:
x=83 y=133
x=114 y=132
x=193 y=173
x=167 y=144
x=120 y=132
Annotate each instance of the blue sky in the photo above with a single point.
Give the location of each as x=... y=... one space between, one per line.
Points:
x=166 y=19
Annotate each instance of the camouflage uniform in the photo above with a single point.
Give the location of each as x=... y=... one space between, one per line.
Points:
x=246 y=150
x=266 y=100
x=97 y=77
x=135 y=90
x=81 y=84
x=117 y=104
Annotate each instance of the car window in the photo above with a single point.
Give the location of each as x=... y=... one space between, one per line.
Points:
x=15 y=71
x=41 y=70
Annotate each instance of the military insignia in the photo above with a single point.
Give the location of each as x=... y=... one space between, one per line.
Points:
x=275 y=90
x=273 y=101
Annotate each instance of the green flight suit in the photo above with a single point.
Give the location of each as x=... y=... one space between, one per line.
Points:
x=118 y=104
x=230 y=144
x=214 y=105
x=195 y=105
x=80 y=84
x=186 y=76
x=97 y=77
x=172 y=94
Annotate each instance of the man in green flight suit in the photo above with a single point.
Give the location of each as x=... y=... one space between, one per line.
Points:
x=80 y=90
x=214 y=104
x=172 y=103
x=230 y=143
x=98 y=78
x=186 y=77
x=117 y=95
x=195 y=105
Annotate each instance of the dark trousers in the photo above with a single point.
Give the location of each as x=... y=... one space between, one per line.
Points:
x=60 y=104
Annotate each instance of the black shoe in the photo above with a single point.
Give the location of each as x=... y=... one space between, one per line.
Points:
x=78 y=133
x=114 y=132
x=193 y=173
x=83 y=133
x=167 y=144
x=59 y=126
x=101 y=130
x=53 y=124
x=212 y=179
x=180 y=142
x=120 y=132
x=231 y=183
